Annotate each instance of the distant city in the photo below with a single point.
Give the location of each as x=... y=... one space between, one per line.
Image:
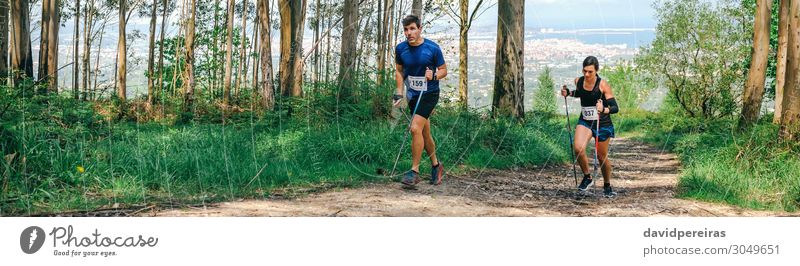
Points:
x=562 y=51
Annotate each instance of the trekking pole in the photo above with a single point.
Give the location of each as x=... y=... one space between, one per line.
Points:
x=596 y=145
x=569 y=147
x=405 y=137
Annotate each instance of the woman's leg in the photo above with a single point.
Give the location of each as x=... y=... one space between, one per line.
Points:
x=582 y=137
x=605 y=163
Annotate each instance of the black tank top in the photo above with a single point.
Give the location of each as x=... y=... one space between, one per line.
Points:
x=589 y=98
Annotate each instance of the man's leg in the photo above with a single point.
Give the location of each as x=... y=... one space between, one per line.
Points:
x=417 y=140
x=430 y=145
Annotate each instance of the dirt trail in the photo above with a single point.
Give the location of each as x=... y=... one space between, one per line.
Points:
x=645 y=177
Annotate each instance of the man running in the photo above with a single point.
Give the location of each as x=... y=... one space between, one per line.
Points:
x=597 y=105
x=419 y=67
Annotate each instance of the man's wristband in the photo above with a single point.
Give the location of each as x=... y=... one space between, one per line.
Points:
x=397 y=97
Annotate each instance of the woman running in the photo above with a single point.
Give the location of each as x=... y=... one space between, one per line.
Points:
x=597 y=105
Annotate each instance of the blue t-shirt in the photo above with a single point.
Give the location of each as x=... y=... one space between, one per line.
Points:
x=415 y=59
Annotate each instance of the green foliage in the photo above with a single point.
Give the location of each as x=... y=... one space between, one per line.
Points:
x=544 y=98
x=309 y=142
x=630 y=86
x=697 y=52
x=749 y=169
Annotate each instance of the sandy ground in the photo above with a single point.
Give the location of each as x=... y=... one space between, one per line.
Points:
x=644 y=176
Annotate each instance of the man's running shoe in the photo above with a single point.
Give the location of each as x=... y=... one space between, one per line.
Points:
x=410 y=180
x=437 y=172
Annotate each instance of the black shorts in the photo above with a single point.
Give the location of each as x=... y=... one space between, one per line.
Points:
x=426 y=104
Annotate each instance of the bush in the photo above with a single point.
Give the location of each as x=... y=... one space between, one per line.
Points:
x=544 y=98
x=697 y=54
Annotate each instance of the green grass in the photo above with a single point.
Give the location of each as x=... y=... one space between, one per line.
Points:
x=251 y=156
x=254 y=155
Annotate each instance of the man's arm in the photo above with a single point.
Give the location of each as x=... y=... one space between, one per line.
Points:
x=441 y=72
x=398 y=77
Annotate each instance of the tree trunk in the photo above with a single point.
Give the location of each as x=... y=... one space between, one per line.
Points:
x=348 y=48
x=416 y=9
x=267 y=89
x=359 y=52
x=189 y=70
x=151 y=55
x=509 y=68
x=87 y=31
x=754 y=86
x=383 y=25
x=293 y=14
x=122 y=59
x=780 y=75
x=249 y=57
x=214 y=50
x=790 y=122
x=226 y=97
x=160 y=82
x=21 y=58
x=52 y=45
x=315 y=71
x=463 y=50
x=48 y=45
x=242 y=50
x=4 y=43
x=75 y=57
x=43 y=39
x=257 y=47
x=328 y=45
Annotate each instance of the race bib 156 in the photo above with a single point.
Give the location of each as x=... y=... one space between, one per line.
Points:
x=418 y=83
x=590 y=113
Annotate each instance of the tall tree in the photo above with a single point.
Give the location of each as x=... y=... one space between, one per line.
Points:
x=189 y=69
x=780 y=73
x=318 y=19
x=754 y=86
x=242 y=49
x=88 y=27
x=293 y=14
x=75 y=56
x=21 y=56
x=226 y=97
x=348 y=51
x=43 y=39
x=790 y=121
x=387 y=34
x=256 y=49
x=122 y=60
x=266 y=88
x=464 y=20
x=161 y=45
x=416 y=8
x=52 y=44
x=214 y=49
x=151 y=54
x=509 y=84
x=48 y=53
x=4 y=42
x=328 y=23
